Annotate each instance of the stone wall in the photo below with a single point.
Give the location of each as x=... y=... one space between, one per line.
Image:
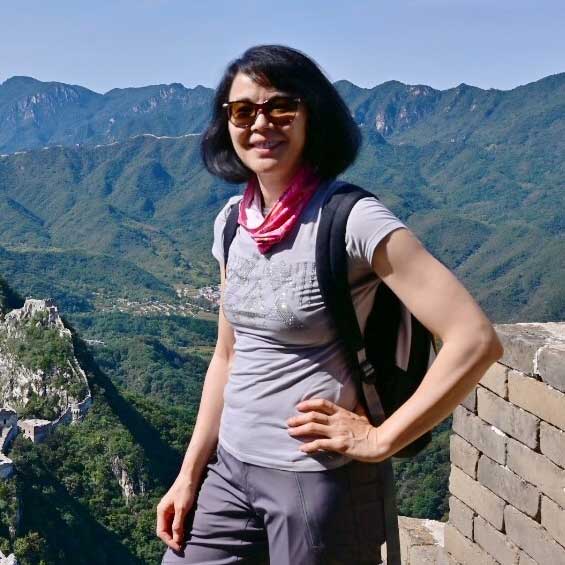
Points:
x=7 y=435
x=35 y=429
x=507 y=481
x=6 y=467
x=74 y=412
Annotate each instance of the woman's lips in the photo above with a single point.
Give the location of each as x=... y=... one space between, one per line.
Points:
x=266 y=150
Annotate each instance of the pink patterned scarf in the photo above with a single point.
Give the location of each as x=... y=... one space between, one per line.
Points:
x=268 y=230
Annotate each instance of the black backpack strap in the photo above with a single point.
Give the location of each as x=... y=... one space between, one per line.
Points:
x=332 y=269
x=332 y=272
x=230 y=230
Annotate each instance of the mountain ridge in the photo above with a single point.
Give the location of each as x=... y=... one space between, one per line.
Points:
x=27 y=106
x=465 y=167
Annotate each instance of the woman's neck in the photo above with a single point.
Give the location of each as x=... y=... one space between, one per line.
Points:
x=273 y=185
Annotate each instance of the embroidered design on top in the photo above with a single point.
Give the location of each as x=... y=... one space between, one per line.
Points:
x=282 y=283
x=243 y=293
x=261 y=290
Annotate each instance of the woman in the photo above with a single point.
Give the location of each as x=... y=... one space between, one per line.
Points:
x=289 y=481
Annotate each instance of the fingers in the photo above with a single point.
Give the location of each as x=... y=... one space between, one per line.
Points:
x=319 y=405
x=178 y=529
x=311 y=428
x=332 y=444
x=309 y=417
x=163 y=527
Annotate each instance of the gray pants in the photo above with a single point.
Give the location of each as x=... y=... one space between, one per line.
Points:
x=258 y=515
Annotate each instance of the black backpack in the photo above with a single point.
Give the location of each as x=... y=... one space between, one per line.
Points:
x=393 y=355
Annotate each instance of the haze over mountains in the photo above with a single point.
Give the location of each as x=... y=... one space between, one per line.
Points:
x=34 y=113
x=477 y=174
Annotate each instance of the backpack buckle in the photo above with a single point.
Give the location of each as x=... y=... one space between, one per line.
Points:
x=368 y=373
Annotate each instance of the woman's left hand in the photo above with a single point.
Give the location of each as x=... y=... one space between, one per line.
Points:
x=341 y=430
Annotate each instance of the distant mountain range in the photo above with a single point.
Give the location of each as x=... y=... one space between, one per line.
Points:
x=477 y=174
x=34 y=114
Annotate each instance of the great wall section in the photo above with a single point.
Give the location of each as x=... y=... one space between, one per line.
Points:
x=507 y=451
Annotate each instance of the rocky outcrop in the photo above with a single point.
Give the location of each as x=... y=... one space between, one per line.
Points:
x=35 y=113
x=129 y=486
x=8 y=559
x=39 y=374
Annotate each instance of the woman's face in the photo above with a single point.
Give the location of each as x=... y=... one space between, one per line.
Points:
x=281 y=161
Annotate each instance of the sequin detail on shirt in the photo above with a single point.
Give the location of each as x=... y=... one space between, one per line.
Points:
x=260 y=293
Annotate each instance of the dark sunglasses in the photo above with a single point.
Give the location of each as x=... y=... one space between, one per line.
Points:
x=279 y=110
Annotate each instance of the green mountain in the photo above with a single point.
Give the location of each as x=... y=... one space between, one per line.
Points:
x=476 y=174
x=34 y=114
x=86 y=493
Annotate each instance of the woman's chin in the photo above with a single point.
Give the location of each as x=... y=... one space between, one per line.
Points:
x=266 y=165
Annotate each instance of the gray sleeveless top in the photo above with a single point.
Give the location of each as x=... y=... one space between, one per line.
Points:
x=286 y=349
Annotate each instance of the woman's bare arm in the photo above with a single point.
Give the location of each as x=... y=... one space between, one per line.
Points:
x=180 y=497
x=442 y=304
x=205 y=434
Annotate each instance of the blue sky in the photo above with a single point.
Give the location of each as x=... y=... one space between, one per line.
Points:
x=118 y=43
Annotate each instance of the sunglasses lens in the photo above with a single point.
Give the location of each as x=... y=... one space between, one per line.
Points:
x=280 y=111
x=242 y=113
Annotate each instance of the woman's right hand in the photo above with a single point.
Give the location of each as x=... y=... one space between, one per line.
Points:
x=172 y=510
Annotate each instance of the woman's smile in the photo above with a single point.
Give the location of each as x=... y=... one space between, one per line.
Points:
x=267 y=148
x=273 y=152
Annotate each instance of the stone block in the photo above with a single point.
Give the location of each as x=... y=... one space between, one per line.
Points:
x=509 y=418
x=476 y=496
x=419 y=540
x=484 y=437
x=461 y=516
x=552 y=443
x=508 y=486
x=470 y=401
x=532 y=537
x=495 y=379
x=551 y=364
x=495 y=542
x=464 y=551
x=538 y=470
x=538 y=398
x=521 y=343
x=553 y=519
x=463 y=455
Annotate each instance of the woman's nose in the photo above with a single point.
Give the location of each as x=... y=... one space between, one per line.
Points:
x=261 y=121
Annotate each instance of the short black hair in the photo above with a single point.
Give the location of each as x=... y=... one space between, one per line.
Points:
x=332 y=136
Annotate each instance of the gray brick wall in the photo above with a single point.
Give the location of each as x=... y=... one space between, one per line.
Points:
x=507 y=450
